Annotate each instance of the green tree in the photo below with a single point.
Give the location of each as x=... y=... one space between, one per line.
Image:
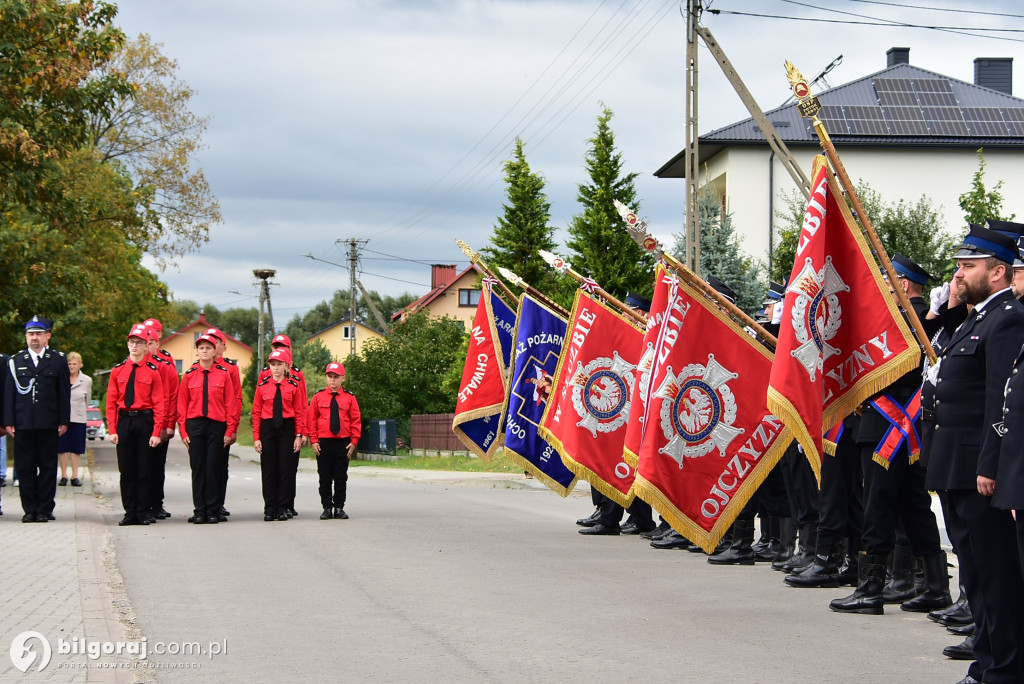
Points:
x=156 y=136
x=599 y=244
x=721 y=255
x=523 y=229
x=980 y=203
x=403 y=374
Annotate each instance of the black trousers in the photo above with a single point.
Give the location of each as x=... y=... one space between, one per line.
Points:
x=772 y=499
x=276 y=463
x=223 y=459
x=135 y=462
x=35 y=457
x=157 y=474
x=841 y=511
x=205 y=452
x=801 y=487
x=897 y=494
x=332 y=467
x=983 y=537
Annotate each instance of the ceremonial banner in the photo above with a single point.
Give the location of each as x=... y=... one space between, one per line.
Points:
x=635 y=425
x=539 y=335
x=593 y=389
x=484 y=377
x=842 y=338
x=710 y=438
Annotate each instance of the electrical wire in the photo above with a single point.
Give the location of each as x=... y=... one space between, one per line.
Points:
x=940 y=9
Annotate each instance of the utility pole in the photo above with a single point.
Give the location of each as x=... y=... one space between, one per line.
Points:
x=263 y=274
x=353 y=259
x=691 y=159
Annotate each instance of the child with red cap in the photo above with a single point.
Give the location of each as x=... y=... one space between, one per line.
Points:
x=278 y=423
x=334 y=427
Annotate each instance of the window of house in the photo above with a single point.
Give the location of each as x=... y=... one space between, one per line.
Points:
x=469 y=297
x=347 y=333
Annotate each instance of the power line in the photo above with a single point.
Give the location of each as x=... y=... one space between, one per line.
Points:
x=940 y=9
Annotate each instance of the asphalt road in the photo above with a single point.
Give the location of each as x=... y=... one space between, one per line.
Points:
x=449 y=582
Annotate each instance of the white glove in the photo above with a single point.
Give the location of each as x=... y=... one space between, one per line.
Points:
x=940 y=295
x=933 y=372
x=750 y=331
x=777 y=313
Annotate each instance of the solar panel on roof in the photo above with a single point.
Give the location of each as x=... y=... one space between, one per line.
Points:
x=933 y=85
x=985 y=122
x=1014 y=118
x=897 y=97
x=865 y=120
x=937 y=99
x=832 y=117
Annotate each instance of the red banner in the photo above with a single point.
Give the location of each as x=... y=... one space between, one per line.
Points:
x=842 y=338
x=710 y=439
x=585 y=419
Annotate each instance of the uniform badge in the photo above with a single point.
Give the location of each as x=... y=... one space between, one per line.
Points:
x=1000 y=429
x=699 y=410
x=601 y=393
x=816 y=314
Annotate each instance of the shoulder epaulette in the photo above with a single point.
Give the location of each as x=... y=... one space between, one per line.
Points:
x=231 y=361
x=293 y=382
x=296 y=368
x=191 y=370
x=220 y=367
x=265 y=380
x=160 y=360
x=58 y=353
x=151 y=365
x=349 y=392
x=165 y=353
x=121 y=364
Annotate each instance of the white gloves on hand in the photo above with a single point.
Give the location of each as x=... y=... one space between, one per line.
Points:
x=940 y=295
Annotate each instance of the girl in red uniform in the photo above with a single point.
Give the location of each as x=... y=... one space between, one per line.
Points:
x=278 y=423
x=334 y=428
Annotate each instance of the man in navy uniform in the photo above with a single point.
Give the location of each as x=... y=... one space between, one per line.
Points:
x=969 y=379
x=36 y=411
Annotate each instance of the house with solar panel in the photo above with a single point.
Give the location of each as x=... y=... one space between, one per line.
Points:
x=906 y=131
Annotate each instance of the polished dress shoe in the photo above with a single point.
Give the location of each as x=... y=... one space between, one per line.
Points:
x=970 y=680
x=590 y=520
x=961 y=630
x=267 y=517
x=656 y=531
x=28 y=517
x=131 y=520
x=957 y=617
x=962 y=651
x=50 y=516
x=282 y=516
x=147 y=517
x=75 y=482
x=44 y=517
x=195 y=519
x=340 y=514
x=63 y=481
x=213 y=519
x=326 y=515
x=671 y=540
x=601 y=529
x=292 y=512
x=161 y=514
x=224 y=511
x=629 y=528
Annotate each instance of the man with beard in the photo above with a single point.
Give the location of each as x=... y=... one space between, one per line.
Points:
x=969 y=378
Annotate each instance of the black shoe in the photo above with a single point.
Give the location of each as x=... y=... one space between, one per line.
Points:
x=214 y=519
x=267 y=517
x=936 y=587
x=326 y=515
x=822 y=573
x=292 y=512
x=962 y=651
x=50 y=516
x=44 y=517
x=629 y=528
x=147 y=518
x=62 y=482
x=194 y=519
x=671 y=540
x=591 y=520
x=282 y=516
x=340 y=514
x=3 y=481
x=75 y=482
x=28 y=517
x=867 y=599
x=131 y=520
x=661 y=530
x=957 y=617
x=600 y=529
x=224 y=512
x=161 y=513
x=961 y=630
x=969 y=680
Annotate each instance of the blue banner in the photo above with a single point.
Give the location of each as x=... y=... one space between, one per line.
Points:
x=539 y=335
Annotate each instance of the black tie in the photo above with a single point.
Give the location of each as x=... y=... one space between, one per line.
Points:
x=129 y=390
x=206 y=393
x=278 y=407
x=335 y=414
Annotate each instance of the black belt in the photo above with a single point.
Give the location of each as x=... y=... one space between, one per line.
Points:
x=927 y=414
x=142 y=412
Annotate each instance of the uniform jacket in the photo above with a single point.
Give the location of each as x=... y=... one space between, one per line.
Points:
x=318 y=421
x=48 y=404
x=969 y=394
x=221 y=404
x=294 y=404
x=169 y=376
x=292 y=372
x=149 y=393
x=1010 y=473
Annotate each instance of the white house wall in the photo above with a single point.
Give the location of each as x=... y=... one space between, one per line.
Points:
x=941 y=175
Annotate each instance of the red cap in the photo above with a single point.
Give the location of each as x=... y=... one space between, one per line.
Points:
x=141 y=331
x=153 y=323
x=281 y=339
x=280 y=354
x=213 y=332
x=336 y=368
x=206 y=338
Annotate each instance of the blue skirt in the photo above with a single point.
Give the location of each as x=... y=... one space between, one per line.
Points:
x=72 y=441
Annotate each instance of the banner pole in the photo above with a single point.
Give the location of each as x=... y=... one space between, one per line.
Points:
x=562 y=266
x=532 y=291
x=474 y=258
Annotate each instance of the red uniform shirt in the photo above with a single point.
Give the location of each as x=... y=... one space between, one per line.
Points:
x=149 y=393
x=292 y=372
x=318 y=421
x=236 y=375
x=221 y=404
x=169 y=376
x=294 y=404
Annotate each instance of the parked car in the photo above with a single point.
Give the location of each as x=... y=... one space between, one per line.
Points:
x=95 y=427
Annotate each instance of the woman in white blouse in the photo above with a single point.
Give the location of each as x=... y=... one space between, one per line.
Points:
x=71 y=445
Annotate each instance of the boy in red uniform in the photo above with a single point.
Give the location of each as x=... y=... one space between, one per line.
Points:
x=208 y=417
x=334 y=427
x=169 y=374
x=135 y=417
x=278 y=423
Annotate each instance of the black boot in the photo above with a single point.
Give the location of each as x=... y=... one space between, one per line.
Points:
x=740 y=552
x=958 y=608
x=823 y=572
x=804 y=556
x=787 y=541
x=867 y=598
x=763 y=539
x=902 y=586
x=766 y=554
x=848 y=568
x=936 y=591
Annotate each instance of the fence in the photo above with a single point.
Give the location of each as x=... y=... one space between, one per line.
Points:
x=434 y=431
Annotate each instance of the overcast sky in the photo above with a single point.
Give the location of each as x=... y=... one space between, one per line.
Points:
x=388 y=120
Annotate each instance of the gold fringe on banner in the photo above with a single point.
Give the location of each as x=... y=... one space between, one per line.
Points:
x=541 y=476
x=881 y=460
